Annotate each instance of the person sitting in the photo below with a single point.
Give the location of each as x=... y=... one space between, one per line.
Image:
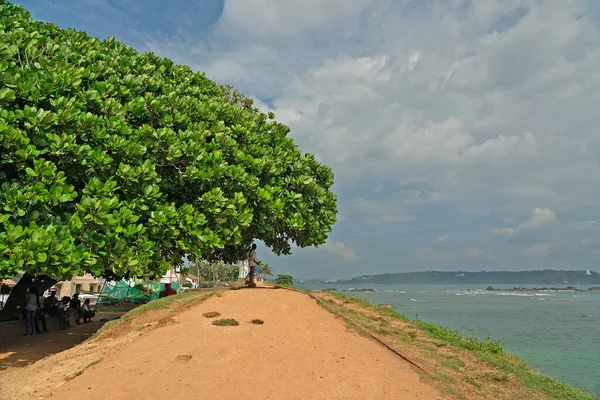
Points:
x=75 y=307
x=168 y=291
x=50 y=304
x=87 y=312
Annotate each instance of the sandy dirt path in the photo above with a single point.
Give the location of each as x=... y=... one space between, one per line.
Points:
x=300 y=352
x=17 y=351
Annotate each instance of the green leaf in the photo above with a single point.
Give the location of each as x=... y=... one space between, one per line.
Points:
x=30 y=172
x=6 y=95
x=41 y=257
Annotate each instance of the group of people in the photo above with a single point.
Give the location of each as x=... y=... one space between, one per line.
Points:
x=36 y=308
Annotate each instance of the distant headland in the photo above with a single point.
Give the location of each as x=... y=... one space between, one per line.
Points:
x=545 y=289
x=536 y=277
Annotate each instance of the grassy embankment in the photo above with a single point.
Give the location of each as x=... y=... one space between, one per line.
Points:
x=462 y=367
x=171 y=304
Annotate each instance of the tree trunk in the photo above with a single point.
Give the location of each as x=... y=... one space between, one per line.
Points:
x=17 y=294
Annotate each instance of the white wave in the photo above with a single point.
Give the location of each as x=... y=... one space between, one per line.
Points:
x=413 y=300
x=514 y=294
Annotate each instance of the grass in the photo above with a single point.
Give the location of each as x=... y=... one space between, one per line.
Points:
x=285 y=285
x=94 y=363
x=212 y=314
x=435 y=331
x=166 y=302
x=78 y=373
x=113 y=309
x=184 y=300
x=105 y=327
x=509 y=372
x=225 y=322
x=280 y=285
x=257 y=321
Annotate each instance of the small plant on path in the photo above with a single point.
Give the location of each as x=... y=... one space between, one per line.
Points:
x=225 y=322
x=258 y=321
x=212 y=314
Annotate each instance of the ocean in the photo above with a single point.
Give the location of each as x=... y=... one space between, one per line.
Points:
x=558 y=333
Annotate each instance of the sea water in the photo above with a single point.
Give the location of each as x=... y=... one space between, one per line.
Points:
x=558 y=333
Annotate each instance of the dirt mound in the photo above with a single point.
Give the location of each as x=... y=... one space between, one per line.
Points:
x=300 y=351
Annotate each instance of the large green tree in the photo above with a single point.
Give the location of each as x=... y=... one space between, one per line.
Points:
x=120 y=163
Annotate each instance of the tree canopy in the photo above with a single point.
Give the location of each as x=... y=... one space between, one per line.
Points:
x=120 y=163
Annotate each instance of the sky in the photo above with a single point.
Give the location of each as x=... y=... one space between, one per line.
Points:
x=463 y=134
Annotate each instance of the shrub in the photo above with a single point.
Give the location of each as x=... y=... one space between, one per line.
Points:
x=225 y=322
x=283 y=279
x=212 y=314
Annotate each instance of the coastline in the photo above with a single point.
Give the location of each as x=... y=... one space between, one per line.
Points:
x=555 y=332
x=544 y=289
x=455 y=359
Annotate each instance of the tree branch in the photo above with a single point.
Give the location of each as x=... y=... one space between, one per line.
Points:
x=19 y=55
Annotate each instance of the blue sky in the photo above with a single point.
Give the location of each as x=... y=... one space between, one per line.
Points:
x=463 y=134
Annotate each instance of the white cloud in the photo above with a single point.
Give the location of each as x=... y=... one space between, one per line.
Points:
x=443 y=238
x=503 y=231
x=396 y=208
x=375 y=212
x=285 y=21
x=418 y=197
x=508 y=221
x=539 y=218
x=537 y=250
x=431 y=254
x=341 y=250
x=474 y=253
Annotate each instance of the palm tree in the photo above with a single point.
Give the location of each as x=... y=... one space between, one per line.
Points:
x=265 y=270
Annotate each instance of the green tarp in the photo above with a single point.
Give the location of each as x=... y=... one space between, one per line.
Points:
x=120 y=291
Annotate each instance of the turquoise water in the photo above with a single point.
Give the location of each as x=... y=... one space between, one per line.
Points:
x=556 y=332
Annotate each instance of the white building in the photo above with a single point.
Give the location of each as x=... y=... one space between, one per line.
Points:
x=171 y=276
x=244 y=269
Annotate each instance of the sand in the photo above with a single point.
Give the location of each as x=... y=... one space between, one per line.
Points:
x=300 y=352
